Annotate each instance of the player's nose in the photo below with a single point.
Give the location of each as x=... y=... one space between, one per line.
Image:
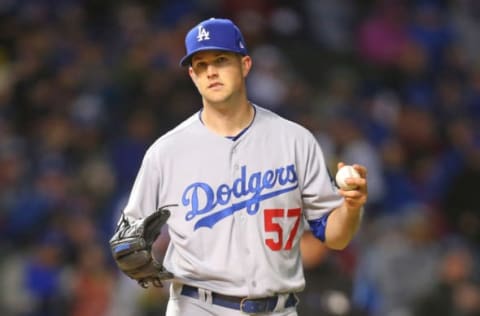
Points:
x=211 y=70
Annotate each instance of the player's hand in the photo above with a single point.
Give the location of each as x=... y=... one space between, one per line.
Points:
x=356 y=198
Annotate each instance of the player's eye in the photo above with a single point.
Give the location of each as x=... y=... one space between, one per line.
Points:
x=200 y=66
x=221 y=60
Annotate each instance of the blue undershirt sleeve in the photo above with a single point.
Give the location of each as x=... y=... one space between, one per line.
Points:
x=318 y=226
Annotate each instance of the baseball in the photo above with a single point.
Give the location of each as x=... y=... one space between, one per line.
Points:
x=344 y=173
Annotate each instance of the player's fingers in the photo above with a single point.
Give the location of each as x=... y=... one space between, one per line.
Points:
x=351 y=193
x=354 y=198
x=340 y=165
x=362 y=170
x=359 y=183
x=359 y=193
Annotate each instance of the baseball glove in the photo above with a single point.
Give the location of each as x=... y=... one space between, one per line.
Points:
x=131 y=247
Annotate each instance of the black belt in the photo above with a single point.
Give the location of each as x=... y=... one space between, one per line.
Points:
x=245 y=304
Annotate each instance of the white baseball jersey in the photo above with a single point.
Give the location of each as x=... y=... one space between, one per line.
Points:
x=241 y=203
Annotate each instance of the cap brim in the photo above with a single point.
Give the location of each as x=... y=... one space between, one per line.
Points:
x=186 y=60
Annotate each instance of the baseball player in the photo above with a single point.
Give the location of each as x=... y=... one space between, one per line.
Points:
x=243 y=182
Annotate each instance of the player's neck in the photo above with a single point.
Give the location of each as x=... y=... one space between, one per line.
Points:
x=227 y=120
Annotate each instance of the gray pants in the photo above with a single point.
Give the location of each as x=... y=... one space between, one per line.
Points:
x=180 y=305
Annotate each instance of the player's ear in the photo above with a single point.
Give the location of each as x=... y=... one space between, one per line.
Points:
x=191 y=73
x=193 y=76
x=246 y=62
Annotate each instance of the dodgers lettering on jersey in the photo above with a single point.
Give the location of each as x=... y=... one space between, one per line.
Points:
x=202 y=199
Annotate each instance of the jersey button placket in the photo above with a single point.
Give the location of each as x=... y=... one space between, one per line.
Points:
x=241 y=215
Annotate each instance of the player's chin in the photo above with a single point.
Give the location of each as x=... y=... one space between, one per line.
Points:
x=216 y=99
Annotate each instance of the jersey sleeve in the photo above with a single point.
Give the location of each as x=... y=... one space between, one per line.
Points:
x=319 y=194
x=143 y=199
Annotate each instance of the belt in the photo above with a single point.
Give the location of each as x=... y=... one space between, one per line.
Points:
x=245 y=304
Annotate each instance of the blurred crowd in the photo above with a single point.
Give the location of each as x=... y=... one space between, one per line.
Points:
x=86 y=86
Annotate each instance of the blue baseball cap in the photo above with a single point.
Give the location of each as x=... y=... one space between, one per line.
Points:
x=213 y=34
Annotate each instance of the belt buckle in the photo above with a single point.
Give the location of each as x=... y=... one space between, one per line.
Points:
x=253 y=306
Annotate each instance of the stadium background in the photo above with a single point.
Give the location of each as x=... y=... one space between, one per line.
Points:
x=86 y=86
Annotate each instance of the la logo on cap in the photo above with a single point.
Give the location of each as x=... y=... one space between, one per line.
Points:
x=203 y=34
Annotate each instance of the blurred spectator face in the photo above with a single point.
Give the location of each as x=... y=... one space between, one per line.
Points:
x=466 y=297
x=393 y=155
x=456 y=266
x=141 y=125
x=416 y=128
x=460 y=133
x=80 y=230
x=419 y=227
x=53 y=182
x=92 y=258
x=97 y=179
x=344 y=130
x=48 y=255
x=413 y=59
x=450 y=92
x=55 y=133
x=11 y=163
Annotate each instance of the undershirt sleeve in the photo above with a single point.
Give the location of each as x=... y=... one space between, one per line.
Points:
x=318 y=226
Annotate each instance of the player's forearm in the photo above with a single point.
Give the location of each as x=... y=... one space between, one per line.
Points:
x=341 y=227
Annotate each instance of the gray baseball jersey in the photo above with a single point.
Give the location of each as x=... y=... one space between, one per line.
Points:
x=241 y=202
